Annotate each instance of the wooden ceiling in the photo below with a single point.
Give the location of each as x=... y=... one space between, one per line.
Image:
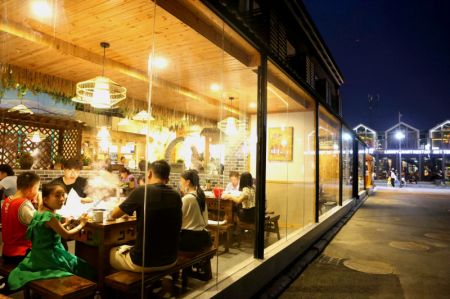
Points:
x=66 y=45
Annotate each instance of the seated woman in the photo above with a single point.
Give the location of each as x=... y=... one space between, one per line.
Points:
x=128 y=181
x=48 y=258
x=194 y=235
x=246 y=199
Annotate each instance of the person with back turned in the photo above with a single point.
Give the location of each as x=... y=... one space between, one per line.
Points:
x=160 y=212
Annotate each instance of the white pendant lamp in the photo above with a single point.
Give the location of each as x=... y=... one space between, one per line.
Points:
x=36 y=136
x=230 y=125
x=100 y=92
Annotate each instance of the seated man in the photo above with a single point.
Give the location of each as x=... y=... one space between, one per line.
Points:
x=71 y=179
x=162 y=218
x=17 y=212
x=233 y=185
x=8 y=181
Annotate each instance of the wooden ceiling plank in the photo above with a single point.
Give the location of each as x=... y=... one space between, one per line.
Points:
x=69 y=49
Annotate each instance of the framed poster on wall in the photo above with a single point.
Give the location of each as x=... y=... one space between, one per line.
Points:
x=280 y=143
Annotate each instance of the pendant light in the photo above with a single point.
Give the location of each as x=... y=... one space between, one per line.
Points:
x=230 y=125
x=100 y=92
x=36 y=136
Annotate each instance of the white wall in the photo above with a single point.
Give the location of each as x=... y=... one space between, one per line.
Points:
x=299 y=169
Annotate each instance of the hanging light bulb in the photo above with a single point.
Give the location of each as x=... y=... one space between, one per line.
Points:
x=231 y=128
x=143 y=116
x=36 y=136
x=100 y=92
x=230 y=125
x=103 y=133
x=21 y=108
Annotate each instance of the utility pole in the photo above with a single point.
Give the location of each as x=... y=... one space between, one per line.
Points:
x=372 y=104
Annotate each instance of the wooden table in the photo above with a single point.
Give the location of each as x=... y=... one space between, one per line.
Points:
x=219 y=209
x=95 y=240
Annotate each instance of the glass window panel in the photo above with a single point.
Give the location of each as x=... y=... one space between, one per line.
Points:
x=290 y=165
x=347 y=164
x=329 y=135
x=361 y=163
x=191 y=92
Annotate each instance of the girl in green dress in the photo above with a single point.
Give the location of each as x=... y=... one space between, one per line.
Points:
x=48 y=258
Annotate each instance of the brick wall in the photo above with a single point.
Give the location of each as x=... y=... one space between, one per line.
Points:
x=49 y=175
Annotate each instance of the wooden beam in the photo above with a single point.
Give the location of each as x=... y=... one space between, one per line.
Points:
x=201 y=24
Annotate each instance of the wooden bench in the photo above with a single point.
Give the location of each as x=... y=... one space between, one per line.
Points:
x=129 y=283
x=69 y=287
x=5 y=269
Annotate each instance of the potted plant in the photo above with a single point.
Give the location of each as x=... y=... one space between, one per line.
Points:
x=25 y=161
x=86 y=161
x=59 y=161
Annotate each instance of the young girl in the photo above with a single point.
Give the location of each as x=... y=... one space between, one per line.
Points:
x=194 y=235
x=48 y=258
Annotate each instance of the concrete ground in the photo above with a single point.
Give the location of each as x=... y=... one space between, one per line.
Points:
x=395 y=246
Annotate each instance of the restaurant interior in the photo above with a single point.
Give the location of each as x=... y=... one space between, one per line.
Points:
x=170 y=80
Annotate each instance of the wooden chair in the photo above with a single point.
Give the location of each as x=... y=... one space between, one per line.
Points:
x=270 y=226
x=220 y=210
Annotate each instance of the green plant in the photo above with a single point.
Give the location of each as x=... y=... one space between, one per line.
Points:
x=58 y=159
x=86 y=160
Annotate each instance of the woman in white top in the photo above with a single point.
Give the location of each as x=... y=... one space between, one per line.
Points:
x=194 y=235
x=246 y=199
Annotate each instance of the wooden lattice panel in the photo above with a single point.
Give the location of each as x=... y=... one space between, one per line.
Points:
x=58 y=141
x=8 y=148
x=71 y=143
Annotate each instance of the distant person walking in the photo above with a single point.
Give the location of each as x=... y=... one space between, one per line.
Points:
x=393 y=177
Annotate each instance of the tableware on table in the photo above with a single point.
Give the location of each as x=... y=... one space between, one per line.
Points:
x=218 y=192
x=97 y=215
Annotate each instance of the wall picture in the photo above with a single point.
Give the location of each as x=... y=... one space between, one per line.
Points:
x=281 y=144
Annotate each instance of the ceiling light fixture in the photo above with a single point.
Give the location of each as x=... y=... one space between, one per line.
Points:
x=230 y=125
x=36 y=136
x=41 y=9
x=100 y=92
x=143 y=116
x=214 y=87
x=21 y=108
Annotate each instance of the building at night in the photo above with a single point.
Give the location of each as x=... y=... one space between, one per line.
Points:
x=425 y=155
x=215 y=86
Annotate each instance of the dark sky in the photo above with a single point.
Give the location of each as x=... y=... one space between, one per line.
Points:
x=397 y=49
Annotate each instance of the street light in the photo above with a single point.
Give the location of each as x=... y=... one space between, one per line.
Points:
x=399 y=135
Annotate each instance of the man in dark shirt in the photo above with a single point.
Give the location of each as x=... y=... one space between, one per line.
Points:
x=71 y=179
x=158 y=210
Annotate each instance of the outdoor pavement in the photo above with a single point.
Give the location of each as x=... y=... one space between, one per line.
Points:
x=395 y=246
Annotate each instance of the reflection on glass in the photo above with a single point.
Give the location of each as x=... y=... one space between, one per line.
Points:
x=290 y=165
x=361 y=164
x=347 y=164
x=329 y=135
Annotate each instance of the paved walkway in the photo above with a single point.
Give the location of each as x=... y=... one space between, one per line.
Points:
x=395 y=246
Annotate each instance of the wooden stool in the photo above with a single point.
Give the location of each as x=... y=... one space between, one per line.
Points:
x=271 y=225
x=217 y=230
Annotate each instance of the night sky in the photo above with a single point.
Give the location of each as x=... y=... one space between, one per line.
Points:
x=397 y=49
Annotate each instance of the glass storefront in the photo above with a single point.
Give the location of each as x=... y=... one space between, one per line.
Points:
x=347 y=164
x=329 y=137
x=290 y=165
x=166 y=81
x=361 y=166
